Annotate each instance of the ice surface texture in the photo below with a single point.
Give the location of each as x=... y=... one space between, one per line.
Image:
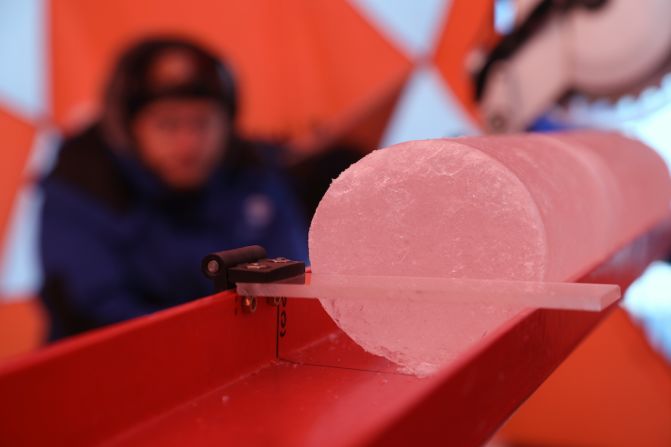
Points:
x=520 y=207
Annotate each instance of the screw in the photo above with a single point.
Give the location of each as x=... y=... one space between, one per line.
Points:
x=255 y=266
x=213 y=266
x=273 y=300
x=248 y=304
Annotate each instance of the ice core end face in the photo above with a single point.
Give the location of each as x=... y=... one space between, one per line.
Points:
x=425 y=208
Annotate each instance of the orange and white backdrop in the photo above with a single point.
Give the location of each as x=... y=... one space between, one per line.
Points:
x=368 y=72
x=313 y=72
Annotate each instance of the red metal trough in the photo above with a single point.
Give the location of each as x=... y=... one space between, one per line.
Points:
x=206 y=372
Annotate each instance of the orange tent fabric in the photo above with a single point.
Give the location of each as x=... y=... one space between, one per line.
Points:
x=22 y=327
x=613 y=391
x=301 y=65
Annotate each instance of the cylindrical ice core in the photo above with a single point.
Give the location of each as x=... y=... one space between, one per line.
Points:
x=525 y=207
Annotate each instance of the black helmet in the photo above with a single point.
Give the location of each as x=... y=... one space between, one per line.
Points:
x=132 y=86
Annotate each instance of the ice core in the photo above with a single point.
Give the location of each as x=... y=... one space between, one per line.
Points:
x=521 y=207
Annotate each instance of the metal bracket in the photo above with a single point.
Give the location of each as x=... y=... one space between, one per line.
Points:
x=248 y=265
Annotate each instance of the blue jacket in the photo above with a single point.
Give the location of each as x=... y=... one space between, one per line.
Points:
x=116 y=244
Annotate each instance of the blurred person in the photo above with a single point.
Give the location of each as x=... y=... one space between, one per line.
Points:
x=139 y=197
x=312 y=176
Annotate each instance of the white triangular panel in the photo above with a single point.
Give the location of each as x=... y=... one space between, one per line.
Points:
x=647 y=299
x=426 y=109
x=23 y=56
x=654 y=130
x=414 y=26
x=20 y=274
